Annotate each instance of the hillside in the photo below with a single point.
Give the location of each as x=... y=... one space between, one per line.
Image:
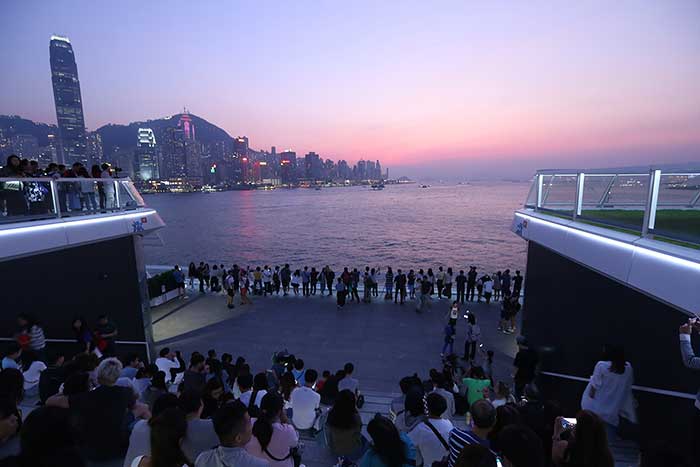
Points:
x=124 y=136
x=15 y=125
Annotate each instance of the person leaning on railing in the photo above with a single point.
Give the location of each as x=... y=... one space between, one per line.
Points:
x=693 y=362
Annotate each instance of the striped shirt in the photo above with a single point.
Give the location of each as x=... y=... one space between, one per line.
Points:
x=459 y=439
x=38 y=341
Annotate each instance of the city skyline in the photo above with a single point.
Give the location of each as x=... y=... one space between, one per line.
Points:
x=483 y=90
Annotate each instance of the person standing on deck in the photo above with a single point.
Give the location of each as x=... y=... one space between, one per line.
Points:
x=471 y=283
x=305 y=281
x=440 y=279
x=330 y=276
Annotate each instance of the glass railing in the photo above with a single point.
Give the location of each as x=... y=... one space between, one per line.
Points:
x=657 y=203
x=23 y=199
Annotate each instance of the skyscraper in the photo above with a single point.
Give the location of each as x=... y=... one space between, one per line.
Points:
x=69 y=104
x=146 y=155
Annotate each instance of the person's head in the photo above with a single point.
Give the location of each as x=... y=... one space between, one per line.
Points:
x=13 y=350
x=158 y=381
x=260 y=382
x=25 y=321
x=226 y=358
x=79 y=324
x=517 y=273
x=56 y=358
x=245 y=382
x=489 y=355
x=102 y=319
x=521 y=447
x=270 y=409
x=483 y=414
x=591 y=441
x=449 y=270
x=164 y=402
x=471 y=319
x=386 y=441
x=475 y=455
x=436 y=405
x=76 y=383
x=48 y=438
x=28 y=358
x=507 y=271
x=344 y=411
x=299 y=364
x=349 y=368
x=440 y=268
x=108 y=371
x=213 y=389
x=197 y=361
x=413 y=403
x=211 y=353
x=167 y=433
x=615 y=354
x=505 y=415
x=133 y=360
x=407 y=382
x=477 y=372
x=531 y=392
x=166 y=353
x=310 y=377
x=13 y=162
x=232 y=424
x=190 y=402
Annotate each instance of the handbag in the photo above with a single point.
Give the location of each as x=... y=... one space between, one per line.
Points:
x=294 y=453
x=360 y=401
x=443 y=461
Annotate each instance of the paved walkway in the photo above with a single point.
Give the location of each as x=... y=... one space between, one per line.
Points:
x=385 y=341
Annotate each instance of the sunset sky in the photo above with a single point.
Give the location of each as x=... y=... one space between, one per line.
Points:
x=464 y=88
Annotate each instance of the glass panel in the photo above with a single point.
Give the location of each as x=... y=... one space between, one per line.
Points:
x=559 y=193
x=615 y=200
x=129 y=192
x=25 y=199
x=531 y=200
x=678 y=207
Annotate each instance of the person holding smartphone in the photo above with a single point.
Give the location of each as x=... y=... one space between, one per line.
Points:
x=692 y=361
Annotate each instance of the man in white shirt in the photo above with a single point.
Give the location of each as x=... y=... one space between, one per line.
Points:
x=267 y=280
x=429 y=446
x=305 y=402
x=348 y=382
x=167 y=362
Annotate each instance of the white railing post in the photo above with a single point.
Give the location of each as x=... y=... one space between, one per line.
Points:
x=54 y=198
x=538 y=204
x=116 y=195
x=578 y=206
x=652 y=201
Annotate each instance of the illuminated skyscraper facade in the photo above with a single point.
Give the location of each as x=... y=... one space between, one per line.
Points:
x=69 y=104
x=146 y=155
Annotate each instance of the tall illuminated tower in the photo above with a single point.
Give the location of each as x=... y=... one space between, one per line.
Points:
x=69 y=104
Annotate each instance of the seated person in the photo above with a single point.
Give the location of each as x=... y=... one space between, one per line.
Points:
x=305 y=402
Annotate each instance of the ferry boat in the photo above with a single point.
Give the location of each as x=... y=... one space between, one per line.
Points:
x=378 y=186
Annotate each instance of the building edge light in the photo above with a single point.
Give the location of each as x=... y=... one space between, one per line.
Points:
x=616 y=243
x=56 y=37
x=71 y=223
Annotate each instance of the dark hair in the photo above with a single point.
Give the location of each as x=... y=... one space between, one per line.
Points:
x=521 y=446
x=130 y=357
x=343 y=414
x=349 y=368
x=167 y=430
x=227 y=357
x=413 y=403
x=310 y=376
x=270 y=407
x=477 y=373
x=505 y=415
x=76 y=383
x=158 y=381
x=287 y=384
x=483 y=413
x=408 y=381
x=471 y=318
x=616 y=355
x=190 y=401
x=299 y=364
x=8 y=407
x=475 y=455
x=589 y=445
x=48 y=438
x=164 y=351
x=260 y=382
x=386 y=442
x=196 y=359
x=12 y=384
x=436 y=404
x=245 y=381
x=28 y=357
x=229 y=419
x=164 y=402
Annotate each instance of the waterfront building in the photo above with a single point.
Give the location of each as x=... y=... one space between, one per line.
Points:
x=68 y=101
x=95 y=152
x=312 y=166
x=288 y=164
x=146 y=155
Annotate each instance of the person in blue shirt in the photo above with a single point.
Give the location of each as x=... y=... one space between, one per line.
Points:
x=449 y=340
x=12 y=353
x=389 y=448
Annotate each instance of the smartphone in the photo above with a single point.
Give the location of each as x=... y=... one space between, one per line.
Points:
x=568 y=423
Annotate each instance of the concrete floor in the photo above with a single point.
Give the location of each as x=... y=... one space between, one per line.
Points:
x=385 y=341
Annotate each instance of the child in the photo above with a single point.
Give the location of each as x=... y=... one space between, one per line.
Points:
x=454 y=313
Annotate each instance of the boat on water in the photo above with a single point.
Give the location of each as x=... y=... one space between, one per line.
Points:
x=425 y=186
x=377 y=186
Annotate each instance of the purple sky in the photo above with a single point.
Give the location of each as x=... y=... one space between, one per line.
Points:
x=460 y=89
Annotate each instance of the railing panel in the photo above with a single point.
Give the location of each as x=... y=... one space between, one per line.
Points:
x=678 y=207
x=559 y=193
x=617 y=200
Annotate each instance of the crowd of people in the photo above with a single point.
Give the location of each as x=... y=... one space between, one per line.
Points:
x=33 y=197
x=399 y=286
x=93 y=409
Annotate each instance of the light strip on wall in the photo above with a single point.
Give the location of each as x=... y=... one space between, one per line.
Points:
x=664 y=257
x=71 y=223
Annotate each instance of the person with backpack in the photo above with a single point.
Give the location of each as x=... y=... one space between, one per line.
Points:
x=430 y=436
